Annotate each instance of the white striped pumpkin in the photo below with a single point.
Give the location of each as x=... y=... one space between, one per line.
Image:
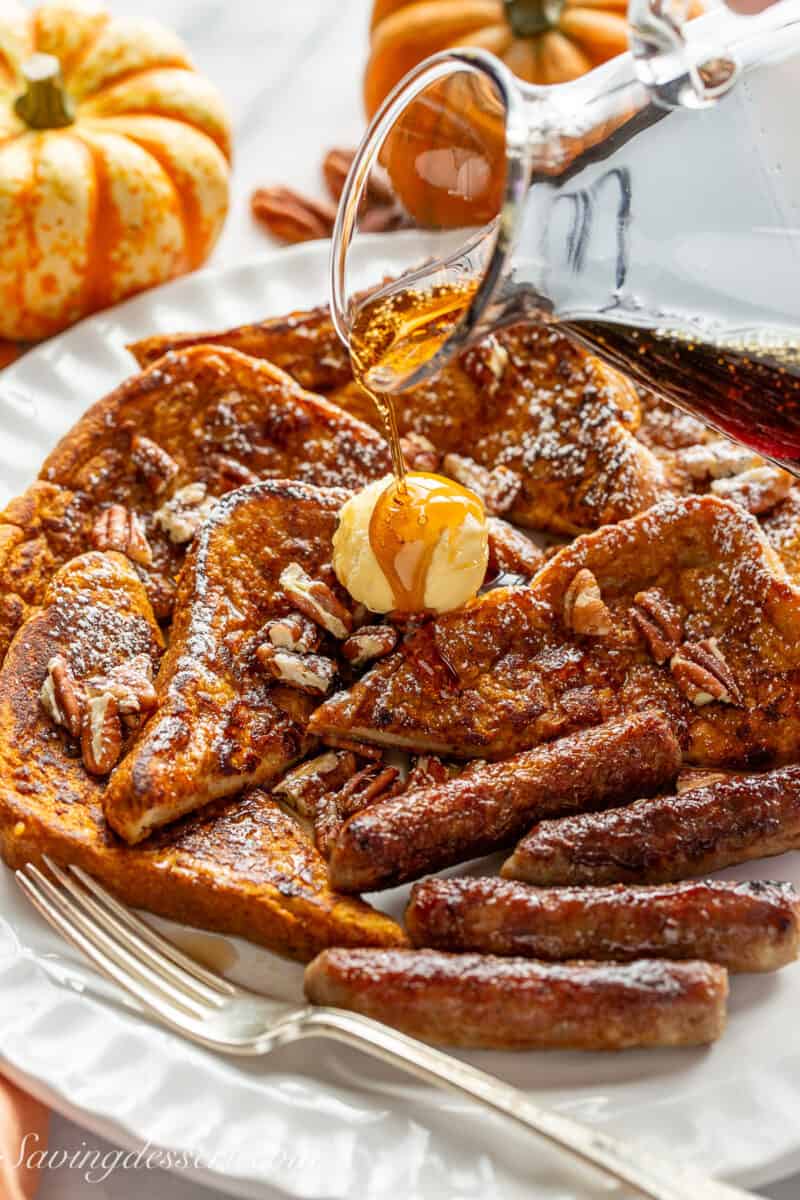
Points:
x=114 y=163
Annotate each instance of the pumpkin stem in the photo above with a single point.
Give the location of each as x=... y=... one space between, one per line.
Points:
x=44 y=104
x=528 y=18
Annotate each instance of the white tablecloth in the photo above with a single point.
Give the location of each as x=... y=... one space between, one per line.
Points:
x=291 y=71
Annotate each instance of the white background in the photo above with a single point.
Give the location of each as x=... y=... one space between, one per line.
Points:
x=291 y=71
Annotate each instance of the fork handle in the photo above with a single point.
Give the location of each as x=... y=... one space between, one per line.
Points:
x=624 y=1162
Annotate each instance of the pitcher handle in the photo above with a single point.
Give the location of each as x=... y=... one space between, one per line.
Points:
x=677 y=73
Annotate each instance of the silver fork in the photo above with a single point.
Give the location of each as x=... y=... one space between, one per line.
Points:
x=218 y=1014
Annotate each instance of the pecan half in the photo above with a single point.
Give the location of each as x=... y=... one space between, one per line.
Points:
x=233 y=474
x=62 y=697
x=703 y=675
x=117 y=528
x=584 y=609
x=316 y=600
x=419 y=453
x=292 y=217
x=157 y=468
x=758 y=490
x=368 y=643
x=101 y=742
x=304 y=786
x=335 y=167
x=185 y=512
x=364 y=788
x=294 y=632
x=659 y=622
x=306 y=672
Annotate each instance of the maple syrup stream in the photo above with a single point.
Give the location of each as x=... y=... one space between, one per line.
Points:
x=390 y=337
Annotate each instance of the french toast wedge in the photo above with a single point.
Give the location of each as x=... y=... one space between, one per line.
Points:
x=556 y=422
x=684 y=608
x=161 y=447
x=242 y=867
x=304 y=344
x=223 y=723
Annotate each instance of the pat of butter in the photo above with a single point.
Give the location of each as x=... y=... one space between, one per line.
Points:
x=457 y=566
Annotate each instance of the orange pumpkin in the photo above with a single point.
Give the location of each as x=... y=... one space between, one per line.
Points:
x=114 y=163
x=541 y=41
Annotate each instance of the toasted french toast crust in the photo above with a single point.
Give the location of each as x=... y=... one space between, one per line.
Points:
x=222 y=723
x=509 y=671
x=220 y=418
x=526 y=400
x=242 y=867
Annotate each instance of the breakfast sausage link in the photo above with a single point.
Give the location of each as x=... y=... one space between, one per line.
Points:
x=490 y=804
x=666 y=838
x=749 y=926
x=473 y=1000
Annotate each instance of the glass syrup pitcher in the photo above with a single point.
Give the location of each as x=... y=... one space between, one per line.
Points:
x=651 y=209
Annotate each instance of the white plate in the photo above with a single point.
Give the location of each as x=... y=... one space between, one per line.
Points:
x=315 y=1120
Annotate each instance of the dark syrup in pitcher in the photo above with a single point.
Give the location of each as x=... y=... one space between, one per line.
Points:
x=748 y=389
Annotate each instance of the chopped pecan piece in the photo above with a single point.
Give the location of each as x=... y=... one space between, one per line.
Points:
x=304 y=786
x=10 y=536
x=185 y=512
x=117 y=528
x=703 y=675
x=486 y=363
x=498 y=488
x=130 y=685
x=584 y=609
x=511 y=552
x=319 y=602
x=368 y=643
x=427 y=771
x=307 y=672
x=467 y=472
x=157 y=468
x=361 y=749
x=718 y=459
x=758 y=490
x=294 y=632
x=503 y=491
x=419 y=453
x=101 y=742
x=659 y=622
x=62 y=696
x=697 y=777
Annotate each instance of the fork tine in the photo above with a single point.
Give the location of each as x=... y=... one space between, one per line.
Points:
x=129 y=935
x=147 y=934
x=122 y=965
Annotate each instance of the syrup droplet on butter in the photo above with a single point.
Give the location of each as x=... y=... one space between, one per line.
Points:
x=409 y=520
